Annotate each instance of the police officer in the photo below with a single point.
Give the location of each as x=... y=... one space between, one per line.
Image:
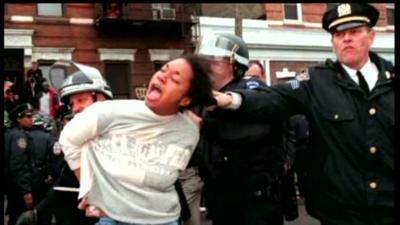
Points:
x=349 y=105
x=17 y=157
x=42 y=146
x=243 y=162
x=63 y=116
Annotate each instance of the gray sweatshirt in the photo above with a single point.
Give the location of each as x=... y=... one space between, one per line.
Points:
x=129 y=159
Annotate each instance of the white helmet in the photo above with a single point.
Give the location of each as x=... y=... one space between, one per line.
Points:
x=226 y=46
x=79 y=78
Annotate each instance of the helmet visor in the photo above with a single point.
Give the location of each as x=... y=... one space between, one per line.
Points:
x=216 y=46
x=61 y=70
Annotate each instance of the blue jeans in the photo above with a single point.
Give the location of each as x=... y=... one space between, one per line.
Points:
x=109 y=221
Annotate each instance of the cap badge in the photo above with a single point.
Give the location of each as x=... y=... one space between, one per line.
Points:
x=344 y=9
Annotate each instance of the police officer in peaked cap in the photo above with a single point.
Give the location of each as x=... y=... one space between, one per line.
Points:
x=18 y=173
x=349 y=104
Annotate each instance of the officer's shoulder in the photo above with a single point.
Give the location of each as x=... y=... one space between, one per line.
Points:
x=18 y=137
x=323 y=69
x=15 y=131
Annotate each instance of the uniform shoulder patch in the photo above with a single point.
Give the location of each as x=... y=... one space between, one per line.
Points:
x=57 y=148
x=251 y=84
x=294 y=84
x=22 y=144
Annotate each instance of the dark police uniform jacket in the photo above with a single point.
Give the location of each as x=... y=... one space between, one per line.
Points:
x=17 y=171
x=242 y=161
x=43 y=149
x=350 y=168
x=17 y=156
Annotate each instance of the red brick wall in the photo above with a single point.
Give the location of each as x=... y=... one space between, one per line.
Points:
x=274 y=11
x=312 y=12
x=27 y=9
x=80 y=10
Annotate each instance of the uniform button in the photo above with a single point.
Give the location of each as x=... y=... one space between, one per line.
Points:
x=372 y=150
x=388 y=75
x=258 y=193
x=373 y=185
x=372 y=111
x=336 y=116
x=225 y=158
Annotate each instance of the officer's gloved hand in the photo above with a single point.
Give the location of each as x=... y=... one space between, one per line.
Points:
x=27 y=218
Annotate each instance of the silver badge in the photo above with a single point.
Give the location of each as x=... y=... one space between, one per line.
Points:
x=388 y=75
x=294 y=84
x=22 y=144
x=57 y=148
x=344 y=9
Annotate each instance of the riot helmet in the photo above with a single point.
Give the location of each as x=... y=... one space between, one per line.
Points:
x=226 y=46
x=38 y=120
x=78 y=78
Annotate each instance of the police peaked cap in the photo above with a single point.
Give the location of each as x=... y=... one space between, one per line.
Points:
x=349 y=15
x=20 y=110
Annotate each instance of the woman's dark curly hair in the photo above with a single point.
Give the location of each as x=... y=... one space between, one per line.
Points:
x=200 y=89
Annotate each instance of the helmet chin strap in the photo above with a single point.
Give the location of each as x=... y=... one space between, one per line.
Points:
x=94 y=95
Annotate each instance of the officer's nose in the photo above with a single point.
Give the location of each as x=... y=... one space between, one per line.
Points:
x=347 y=36
x=76 y=108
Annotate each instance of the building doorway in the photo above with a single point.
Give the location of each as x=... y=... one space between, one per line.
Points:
x=14 y=69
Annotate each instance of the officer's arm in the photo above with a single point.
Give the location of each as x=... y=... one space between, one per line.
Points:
x=81 y=129
x=265 y=103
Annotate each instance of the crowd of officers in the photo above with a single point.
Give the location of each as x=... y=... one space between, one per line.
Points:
x=247 y=167
x=32 y=160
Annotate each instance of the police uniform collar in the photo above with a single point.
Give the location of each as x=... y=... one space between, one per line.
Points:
x=369 y=71
x=386 y=72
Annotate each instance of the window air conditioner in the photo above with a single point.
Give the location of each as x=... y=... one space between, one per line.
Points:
x=167 y=14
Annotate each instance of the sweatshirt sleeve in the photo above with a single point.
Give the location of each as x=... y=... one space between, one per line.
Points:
x=81 y=129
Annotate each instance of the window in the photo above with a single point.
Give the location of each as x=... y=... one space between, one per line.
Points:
x=161 y=5
x=390 y=14
x=49 y=9
x=45 y=67
x=292 y=11
x=58 y=75
x=113 y=10
x=158 y=65
x=331 y=5
x=117 y=74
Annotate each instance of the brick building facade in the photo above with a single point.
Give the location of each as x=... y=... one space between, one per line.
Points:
x=127 y=49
